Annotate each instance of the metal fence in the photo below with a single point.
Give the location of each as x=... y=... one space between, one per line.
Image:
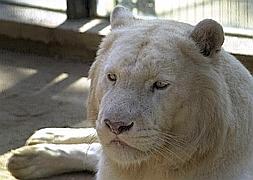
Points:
x=230 y=13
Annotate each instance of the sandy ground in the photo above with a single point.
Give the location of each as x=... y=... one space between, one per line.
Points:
x=37 y=92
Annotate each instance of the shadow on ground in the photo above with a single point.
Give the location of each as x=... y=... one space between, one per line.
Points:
x=37 y=92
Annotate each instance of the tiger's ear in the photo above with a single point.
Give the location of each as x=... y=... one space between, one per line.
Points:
x=208 y=36
x=120 y=16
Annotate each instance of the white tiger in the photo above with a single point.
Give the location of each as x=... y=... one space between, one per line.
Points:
x=169 y=103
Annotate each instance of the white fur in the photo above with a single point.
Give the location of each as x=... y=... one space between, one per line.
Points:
x=199 y=127
x=43 y=160
x=63 y=136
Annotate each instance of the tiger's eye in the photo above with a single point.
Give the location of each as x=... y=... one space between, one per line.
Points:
x=161 y=85
x=112 y=77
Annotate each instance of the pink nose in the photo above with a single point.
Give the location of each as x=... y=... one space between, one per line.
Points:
x=118 y=127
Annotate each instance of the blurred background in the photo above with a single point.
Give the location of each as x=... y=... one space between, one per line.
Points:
x=47 y=47
x=92 y=16
x=231 y=13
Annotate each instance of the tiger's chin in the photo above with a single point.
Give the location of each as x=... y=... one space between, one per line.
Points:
x=124 y=154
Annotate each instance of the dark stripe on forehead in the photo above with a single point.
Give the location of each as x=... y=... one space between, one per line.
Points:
x=145 y=41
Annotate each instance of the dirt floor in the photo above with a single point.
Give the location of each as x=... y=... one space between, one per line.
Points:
x=37 y=92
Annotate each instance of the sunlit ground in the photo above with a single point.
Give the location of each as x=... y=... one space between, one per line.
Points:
x=48 y=4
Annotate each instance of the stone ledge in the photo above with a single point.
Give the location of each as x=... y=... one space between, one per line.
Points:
x=32 y=29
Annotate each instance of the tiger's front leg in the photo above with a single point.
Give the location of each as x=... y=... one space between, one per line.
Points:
x=63 y=136
x=44 y=160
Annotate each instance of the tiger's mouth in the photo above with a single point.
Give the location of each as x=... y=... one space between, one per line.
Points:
x=120 y=144
x=123 y=152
